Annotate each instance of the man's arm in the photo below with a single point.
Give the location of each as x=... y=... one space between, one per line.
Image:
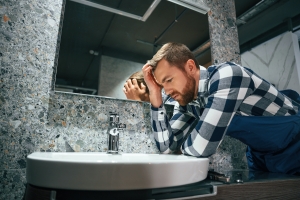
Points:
x=170 y=134
x=154 y=88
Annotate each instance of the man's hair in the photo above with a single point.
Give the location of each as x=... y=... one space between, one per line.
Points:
x=139 y=76
x=175 y=53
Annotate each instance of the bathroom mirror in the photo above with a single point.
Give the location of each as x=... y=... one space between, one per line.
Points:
x=104 y=42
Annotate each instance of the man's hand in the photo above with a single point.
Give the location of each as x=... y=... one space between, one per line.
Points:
x=133 y=91
x=153 y=86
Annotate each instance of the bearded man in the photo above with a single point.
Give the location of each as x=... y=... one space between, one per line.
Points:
x=233 y=100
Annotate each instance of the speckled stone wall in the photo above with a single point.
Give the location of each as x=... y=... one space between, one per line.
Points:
x=28 y=42
x=223 y=31
x=80 y=122
x=225 y=47
x=34 y=118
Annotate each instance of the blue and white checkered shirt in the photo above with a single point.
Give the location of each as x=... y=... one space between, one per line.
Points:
x=224 y=90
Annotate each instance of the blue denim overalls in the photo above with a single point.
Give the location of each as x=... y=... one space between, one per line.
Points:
x=273 y=142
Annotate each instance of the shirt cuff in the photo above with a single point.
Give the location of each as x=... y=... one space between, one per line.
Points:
x=158 y=113
x=157 y=109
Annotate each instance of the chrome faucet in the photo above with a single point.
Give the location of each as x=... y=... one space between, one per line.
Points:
x=113 y=133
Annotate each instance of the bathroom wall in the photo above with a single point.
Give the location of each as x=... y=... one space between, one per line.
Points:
x=225 y=47
x=28 y=46
x=277 y=60
x=34 y=118
x=79 y=123
x=223 y=31
x=113 y=74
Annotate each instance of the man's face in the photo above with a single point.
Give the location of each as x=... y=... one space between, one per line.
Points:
x=176 y=82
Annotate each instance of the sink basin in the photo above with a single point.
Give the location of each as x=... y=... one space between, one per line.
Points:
x=102 y=171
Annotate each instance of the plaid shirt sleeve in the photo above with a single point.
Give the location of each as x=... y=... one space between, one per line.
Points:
x=170 y=135
x=228 y=87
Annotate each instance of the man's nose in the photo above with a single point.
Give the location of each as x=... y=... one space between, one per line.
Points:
x=167 y=90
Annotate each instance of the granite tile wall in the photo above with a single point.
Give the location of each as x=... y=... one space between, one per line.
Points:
x=34 y=118
x=28 y=42
x=223 y=31
x=80 y=122
x=225 y=47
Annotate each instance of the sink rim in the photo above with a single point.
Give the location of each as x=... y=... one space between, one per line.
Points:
x=109 y=158
x=66 y=174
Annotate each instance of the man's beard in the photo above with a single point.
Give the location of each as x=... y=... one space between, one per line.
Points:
x=188 y=93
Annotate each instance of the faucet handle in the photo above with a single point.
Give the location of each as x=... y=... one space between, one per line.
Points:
x=121 y=126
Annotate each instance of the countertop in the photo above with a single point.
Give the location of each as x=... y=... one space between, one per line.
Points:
x=243 y=184
x=251 y=185
x=246 y=176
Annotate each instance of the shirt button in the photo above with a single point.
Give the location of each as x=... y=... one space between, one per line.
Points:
x=162 y=113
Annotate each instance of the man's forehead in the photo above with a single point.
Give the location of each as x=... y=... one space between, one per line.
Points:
x=163 y=70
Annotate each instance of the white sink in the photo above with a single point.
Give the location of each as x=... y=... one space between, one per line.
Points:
x=102 y=171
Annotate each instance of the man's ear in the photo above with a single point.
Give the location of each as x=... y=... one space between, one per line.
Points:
x=190 y=66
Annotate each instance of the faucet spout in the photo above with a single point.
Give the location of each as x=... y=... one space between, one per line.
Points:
x=113 y=141
x=113 y=133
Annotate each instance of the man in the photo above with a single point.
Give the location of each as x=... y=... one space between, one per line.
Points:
x=233 y=100
x=135 y=88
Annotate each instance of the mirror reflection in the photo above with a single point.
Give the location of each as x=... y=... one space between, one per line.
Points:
x=104 y=42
